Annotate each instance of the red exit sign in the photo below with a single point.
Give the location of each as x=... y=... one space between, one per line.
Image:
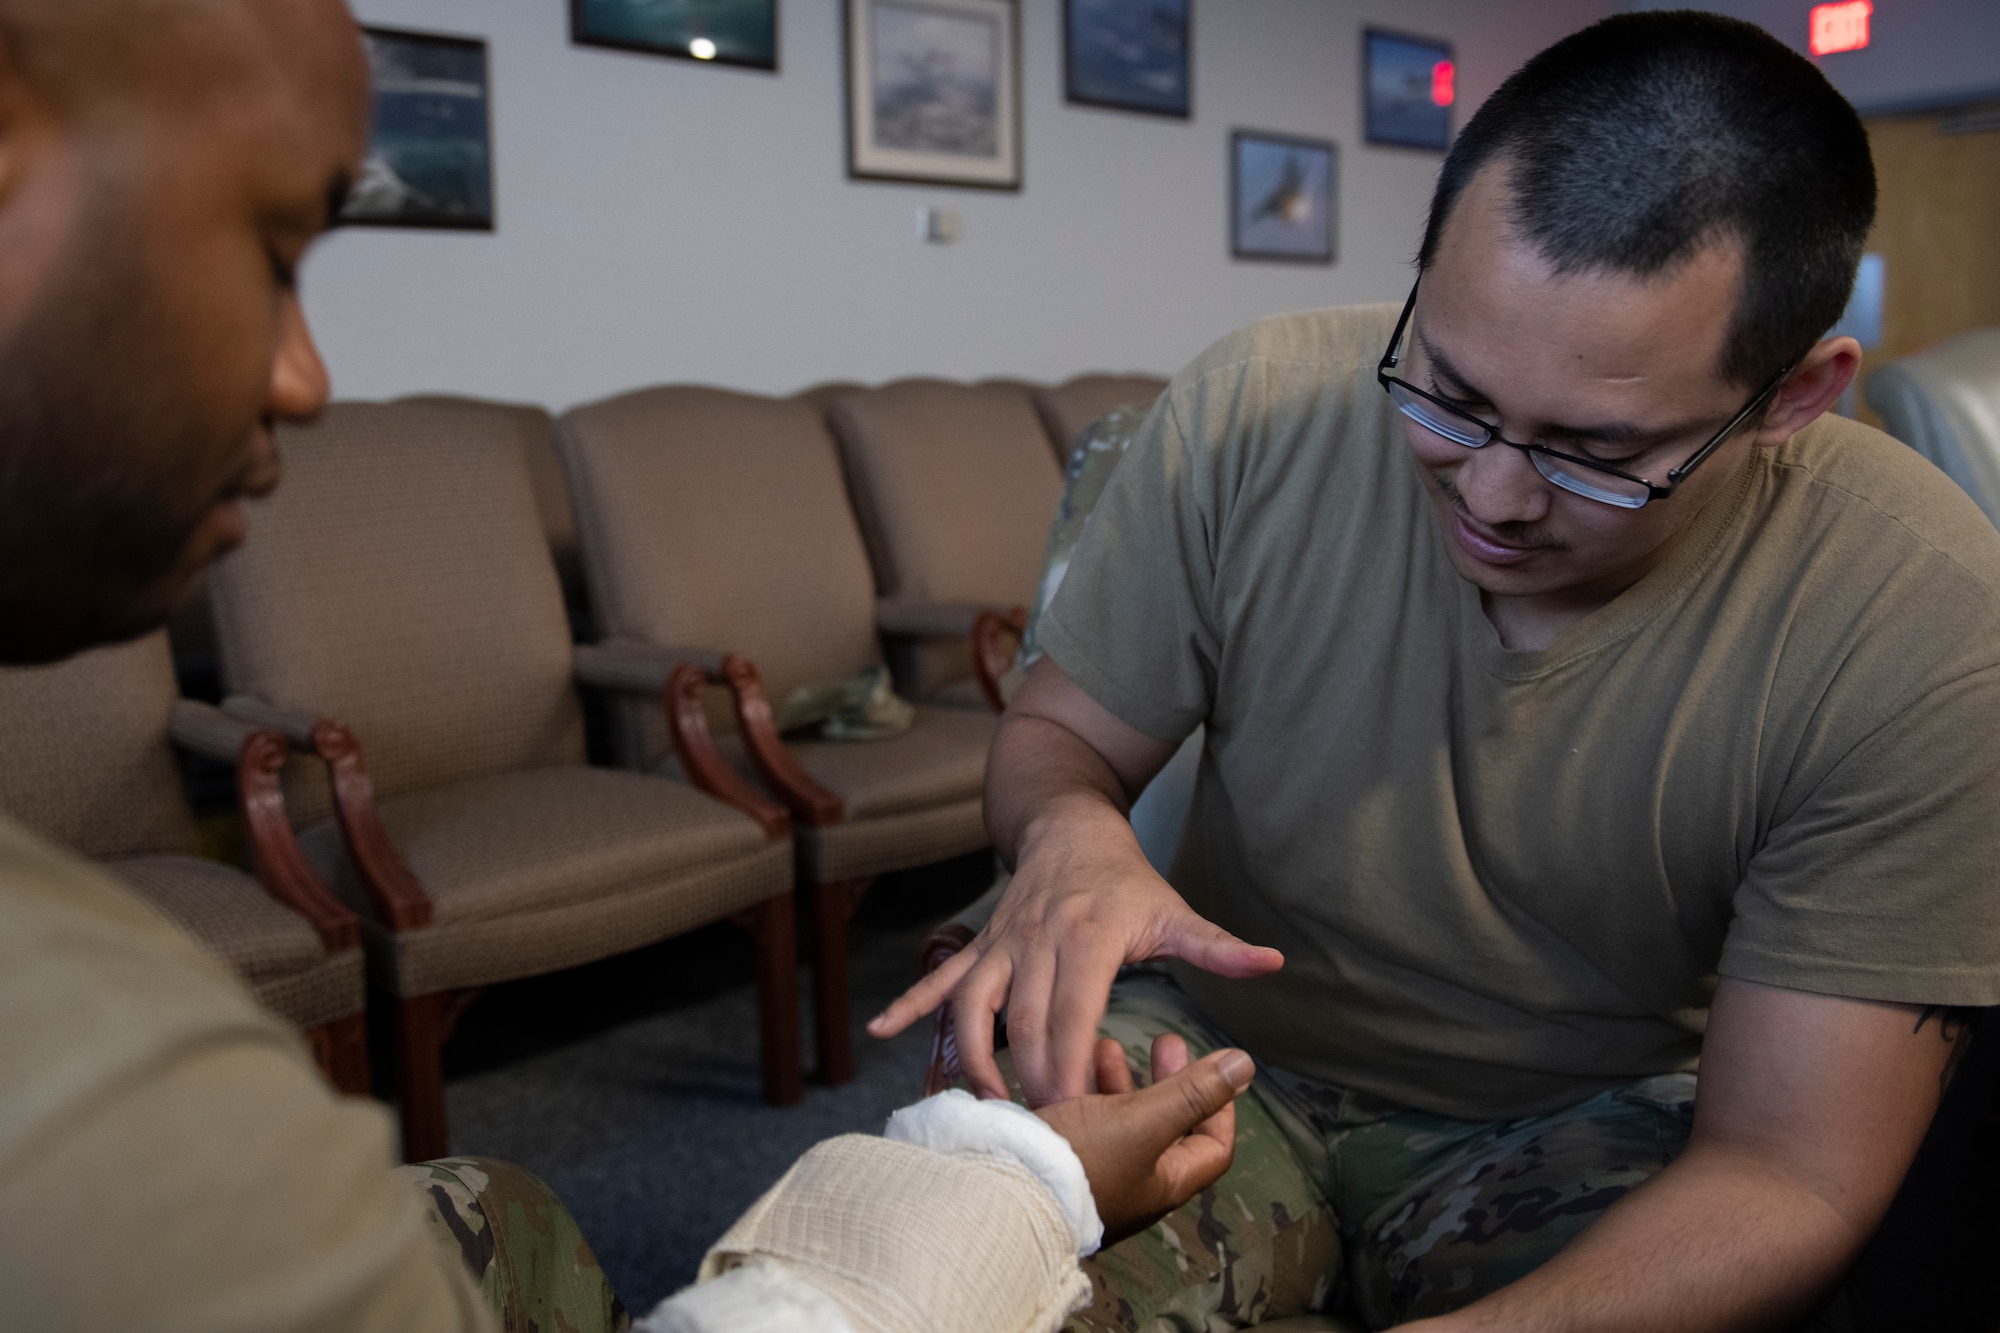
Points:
x=1840 y=27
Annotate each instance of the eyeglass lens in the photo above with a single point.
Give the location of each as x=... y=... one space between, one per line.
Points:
x=1474 y=434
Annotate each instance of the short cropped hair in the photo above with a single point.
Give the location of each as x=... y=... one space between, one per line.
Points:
x=1648 y=136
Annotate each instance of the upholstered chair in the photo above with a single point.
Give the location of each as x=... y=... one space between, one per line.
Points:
x=1944 y=402
x=953 y=485
x=90 y=765
x=1068 y=409
x=396 y=599
x=719 y=520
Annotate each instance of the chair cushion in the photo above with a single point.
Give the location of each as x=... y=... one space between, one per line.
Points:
x=87 y=759
x=270 y=946
x=538 y=839
x=941 y=760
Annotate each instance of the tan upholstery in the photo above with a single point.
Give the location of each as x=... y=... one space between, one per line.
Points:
x=544 y=869
x=1067 y=410
x=269 y=945
x=399 y=581
x=87 y=763
x=720 y=520
x=825 y=394
x=534 y=431
x=954 y=485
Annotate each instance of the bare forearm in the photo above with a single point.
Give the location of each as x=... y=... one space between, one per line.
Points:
x=1714 y=1242
x=1041 y=778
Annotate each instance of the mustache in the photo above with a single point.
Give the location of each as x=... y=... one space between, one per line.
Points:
x=1524 y=535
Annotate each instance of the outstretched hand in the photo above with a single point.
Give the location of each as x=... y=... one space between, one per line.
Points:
x=1148 y=1152
x=1082 y=905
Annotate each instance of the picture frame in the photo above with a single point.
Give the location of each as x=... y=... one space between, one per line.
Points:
x=1283 y=197
x=934 y=92
x=1130 y=55
x=743 y=33
x=430 y=145
x=1408 y=87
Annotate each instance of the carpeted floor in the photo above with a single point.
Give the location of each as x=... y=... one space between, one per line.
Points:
x=631 y=1086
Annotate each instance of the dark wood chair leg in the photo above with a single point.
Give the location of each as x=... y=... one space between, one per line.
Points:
x=833 y=907
x=341 y=1050
x=771 y=930
x=422 y=1022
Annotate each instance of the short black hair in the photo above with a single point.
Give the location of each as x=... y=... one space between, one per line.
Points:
x=1648 y=136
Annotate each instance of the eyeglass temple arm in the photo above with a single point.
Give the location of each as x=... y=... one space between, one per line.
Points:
x=1750 y=409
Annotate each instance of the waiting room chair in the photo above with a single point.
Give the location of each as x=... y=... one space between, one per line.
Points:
x=1945 y=404
x=719 y=521
x=953 y=485
x=90 y=765
x=397 y=597
x=1070 y=408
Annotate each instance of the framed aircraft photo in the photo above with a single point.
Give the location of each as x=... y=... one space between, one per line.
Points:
x=934 y=92
x=1408 y=87
x=1130 y=55
x=1281 y=197
x=722 y=32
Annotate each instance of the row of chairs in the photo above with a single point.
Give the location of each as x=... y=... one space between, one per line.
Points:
x=400 y=647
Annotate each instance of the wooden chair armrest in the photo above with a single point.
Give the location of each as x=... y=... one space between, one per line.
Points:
x=991 y=657
x=281 y=864
x=703 y=763
x=810 y=803
x=942 y=1070
x=396 y=893
x=259 y=755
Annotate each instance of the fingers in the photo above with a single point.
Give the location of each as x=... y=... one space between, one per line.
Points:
x=1113 y=1074
x=1190 y=1165
x=1170 y=1055
x=923 y=997
x=1082 y=989
x=1212 y=949
x=973 y=1006
x=1177 y=1106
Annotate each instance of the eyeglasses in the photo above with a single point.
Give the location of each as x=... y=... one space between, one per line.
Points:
x=1589 y=477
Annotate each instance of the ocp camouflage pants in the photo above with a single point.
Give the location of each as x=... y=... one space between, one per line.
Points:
x=1340 y=1202
x=520 y=1244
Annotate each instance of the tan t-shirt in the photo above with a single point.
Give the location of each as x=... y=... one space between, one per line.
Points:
x=169 y=1157
x=1503 y=880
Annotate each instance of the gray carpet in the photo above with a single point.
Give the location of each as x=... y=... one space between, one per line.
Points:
x=632 y=1086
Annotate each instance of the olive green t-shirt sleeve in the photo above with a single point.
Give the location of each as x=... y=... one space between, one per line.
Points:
x=1131 y=624
x=226 y=1189
x=1878 y=881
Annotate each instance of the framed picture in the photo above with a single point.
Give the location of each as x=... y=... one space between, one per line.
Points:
x=430 y=152
x=934 y=92
x=726 y=32
x=1128 y=54
x=1281 y=197
x=1408 y=86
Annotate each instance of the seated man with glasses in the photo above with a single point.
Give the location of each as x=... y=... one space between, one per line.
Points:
x=1538 y=777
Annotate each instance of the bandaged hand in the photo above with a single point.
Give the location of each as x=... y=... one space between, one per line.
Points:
x=1146 y=1152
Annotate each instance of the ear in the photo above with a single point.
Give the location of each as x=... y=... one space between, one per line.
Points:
x=1822 y=375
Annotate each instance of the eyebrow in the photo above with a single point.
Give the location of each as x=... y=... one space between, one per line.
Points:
x=1616 y=432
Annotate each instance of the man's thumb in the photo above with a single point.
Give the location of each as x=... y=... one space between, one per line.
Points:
x=1174 y=1106
x=1213 y=949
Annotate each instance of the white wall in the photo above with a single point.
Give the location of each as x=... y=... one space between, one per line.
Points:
x=1920 y=52
x=661 y=220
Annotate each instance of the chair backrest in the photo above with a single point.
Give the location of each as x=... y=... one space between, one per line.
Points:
x=719 y=520
x=1945 y=404
x=1067 y=410
x=87 y=761
x=954 y=485
x=534 y=430
x=400 y=582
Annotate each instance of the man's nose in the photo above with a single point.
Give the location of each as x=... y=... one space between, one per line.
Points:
x=1500 y=485
x=299 y=383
